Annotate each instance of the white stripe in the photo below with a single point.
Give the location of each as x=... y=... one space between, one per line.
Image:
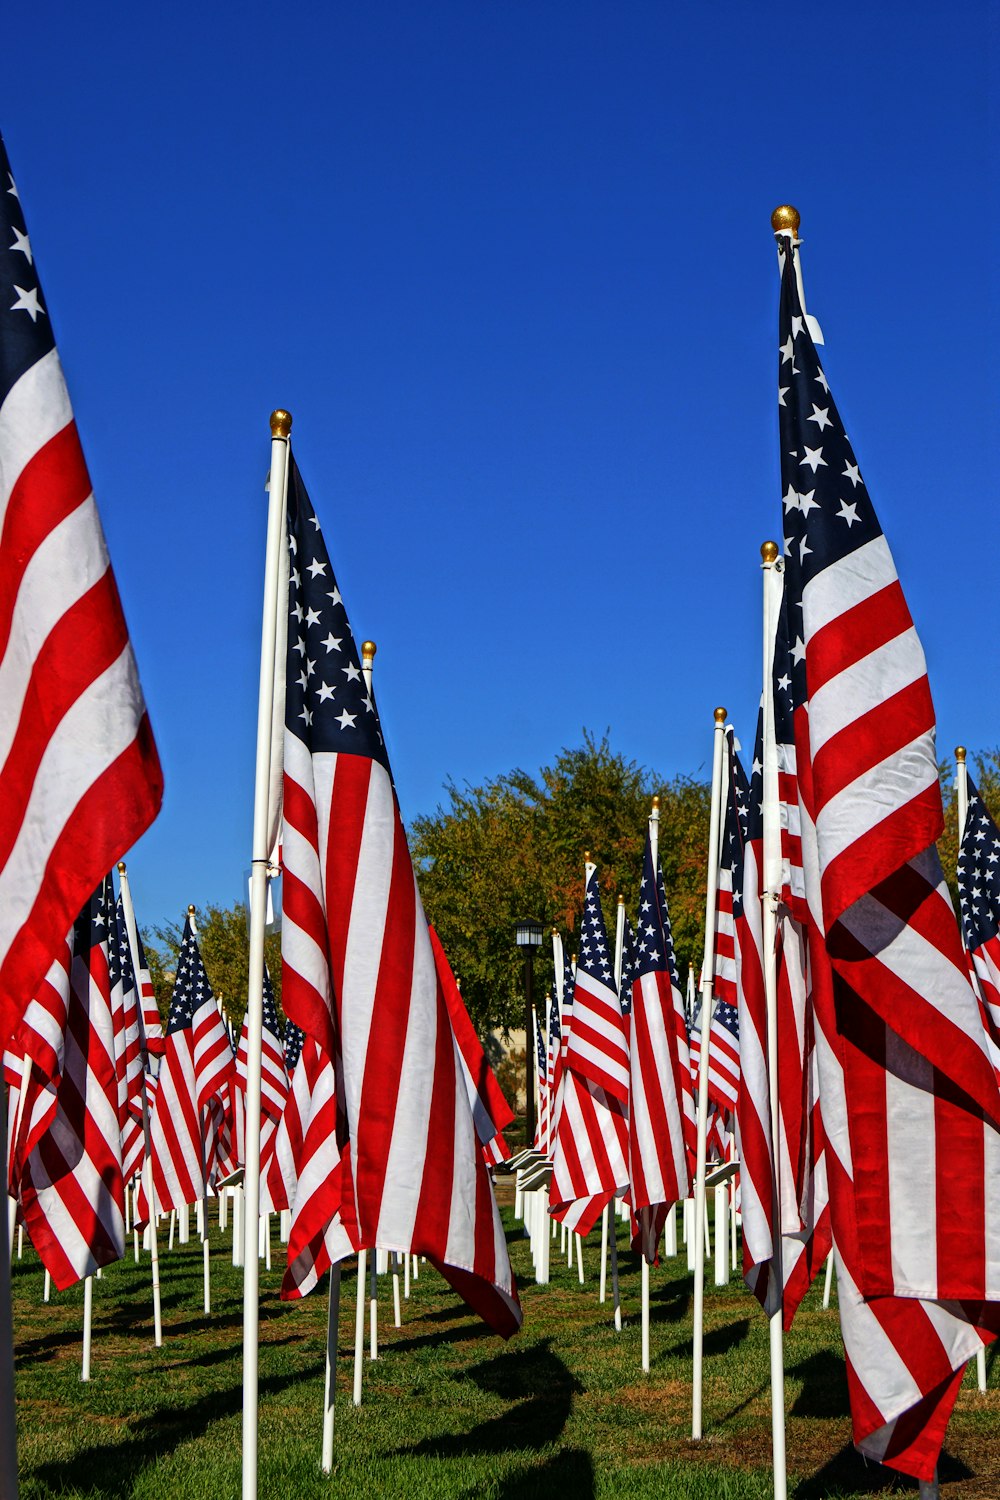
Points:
x=36 y=408
x=912 y=1168
x=859 y=689
x=874 y=795
x=846 y=583
x=94 y=731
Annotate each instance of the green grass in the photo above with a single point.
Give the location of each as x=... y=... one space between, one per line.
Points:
x=563 y=1410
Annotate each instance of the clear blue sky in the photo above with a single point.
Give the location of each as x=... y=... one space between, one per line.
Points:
x=509 y=264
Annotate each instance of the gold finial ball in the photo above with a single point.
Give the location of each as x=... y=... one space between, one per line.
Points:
x=281 y=423
x=720 y=716
x=621 y=899
x=960 y=754
x=368 y=649
x=785 y=217
x=586 y=856
x=769 y=552
x=121 y=867
x=656 y=801
x=190 y=911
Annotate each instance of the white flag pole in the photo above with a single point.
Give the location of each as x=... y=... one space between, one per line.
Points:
x=281 y=426
x=962 y=797
x=8 y=1422
x=359 y=1325
x=613 y=1224
x=772 y=570
x=707 y=1006
x=332 y=1324
x=88 y=1320
x=132 y=934
x=654 y=845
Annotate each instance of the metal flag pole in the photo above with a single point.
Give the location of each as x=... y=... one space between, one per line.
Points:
x=332 y=1325
x=281 y=426
x=8 y=1421
x=612 y=1206
x=962 y=798
x=772 y=570
x=707 y=1006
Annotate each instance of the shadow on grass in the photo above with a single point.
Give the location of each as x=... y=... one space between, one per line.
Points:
x=670 y=1303
x=847 y=1473
x=543 y=1388
x=824 y=1390
x=109 y=1471
x=429 y=1340
x=570 y=1472
x=717 y=1340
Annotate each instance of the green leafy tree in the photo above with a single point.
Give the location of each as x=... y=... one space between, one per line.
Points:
x=225 y=949
x=514 y=848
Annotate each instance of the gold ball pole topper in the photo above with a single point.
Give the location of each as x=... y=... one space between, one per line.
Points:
x=786 y=219
x=656 y=800
x=621 y=899
x=769 y=552
x=720 y=716
x=368 y=650
x=121 y=867
x=960 y=754
x=586 y=856
x=281 y=423
x=190 y=911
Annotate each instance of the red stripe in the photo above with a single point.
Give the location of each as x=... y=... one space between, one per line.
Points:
x=855 y=634
x=878 y=735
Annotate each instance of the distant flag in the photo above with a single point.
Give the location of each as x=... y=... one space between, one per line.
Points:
x=196 y=1072
x=66 y=1150
x=403 y=1170
x=661 y=1102
x=541 y=1063
x=591 y=1147
x=128 y=1039
x=80 y=779
x=979 y=898
x=273 y=1076
x=151 y=1024
x=909 y=1095
x=724 y=1052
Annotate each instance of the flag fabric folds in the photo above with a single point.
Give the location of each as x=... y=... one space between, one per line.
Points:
x=196 y=1072
x=79 y=775
x=490 y=1109
x=908 y=1091
x=360 y=980
x=661 y=1100
x=65 y=1158
x=591 y=1144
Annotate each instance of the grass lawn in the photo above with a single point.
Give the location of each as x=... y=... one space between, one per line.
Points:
x=561 y=1411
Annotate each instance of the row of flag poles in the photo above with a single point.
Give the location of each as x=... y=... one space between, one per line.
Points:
x=848 y=1024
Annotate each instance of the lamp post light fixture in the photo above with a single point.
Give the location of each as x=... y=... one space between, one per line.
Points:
x=528 y=935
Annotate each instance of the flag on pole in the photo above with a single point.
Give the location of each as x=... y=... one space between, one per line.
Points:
x=591 y=1147
x=909 y=1096
x=196 y=1070
x=979 y=898
x=273 y=1078
x=661 y=1100
x=359 y=976
x=66 y=1164
x=79 y=775
x=129 y=1068
x=490 y=1109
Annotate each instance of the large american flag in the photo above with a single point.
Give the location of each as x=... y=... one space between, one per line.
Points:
x=359 y=977
x=66 y=1163
x=196 y=1071
x=590 y=1159
x=79 y=775
x=908 y=1090
x=661 y=1101
x=979 y=898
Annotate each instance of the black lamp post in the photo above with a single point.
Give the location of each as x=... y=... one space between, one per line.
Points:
x=528 y=937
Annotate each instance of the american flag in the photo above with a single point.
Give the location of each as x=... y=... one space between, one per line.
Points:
x=661 y=1102
x=66 y=1157
x=799 y=1182
x=598 y=1046
x=359 y=976
x=490 y=1109
x=979 y=898
x=151 y=1025
x=906 y=1076
x=196 y=1072
x=553 y=1071
x=724 y=1051
x=128 y=1040
x=541 y=1063
x=591 y=1144
x=273 y=1079
x=80 y=775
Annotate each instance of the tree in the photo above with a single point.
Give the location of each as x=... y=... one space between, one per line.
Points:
x=514 y=848
x=225 y=948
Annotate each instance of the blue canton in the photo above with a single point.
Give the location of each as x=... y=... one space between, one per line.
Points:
x=25 y=332
x=979 y=874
